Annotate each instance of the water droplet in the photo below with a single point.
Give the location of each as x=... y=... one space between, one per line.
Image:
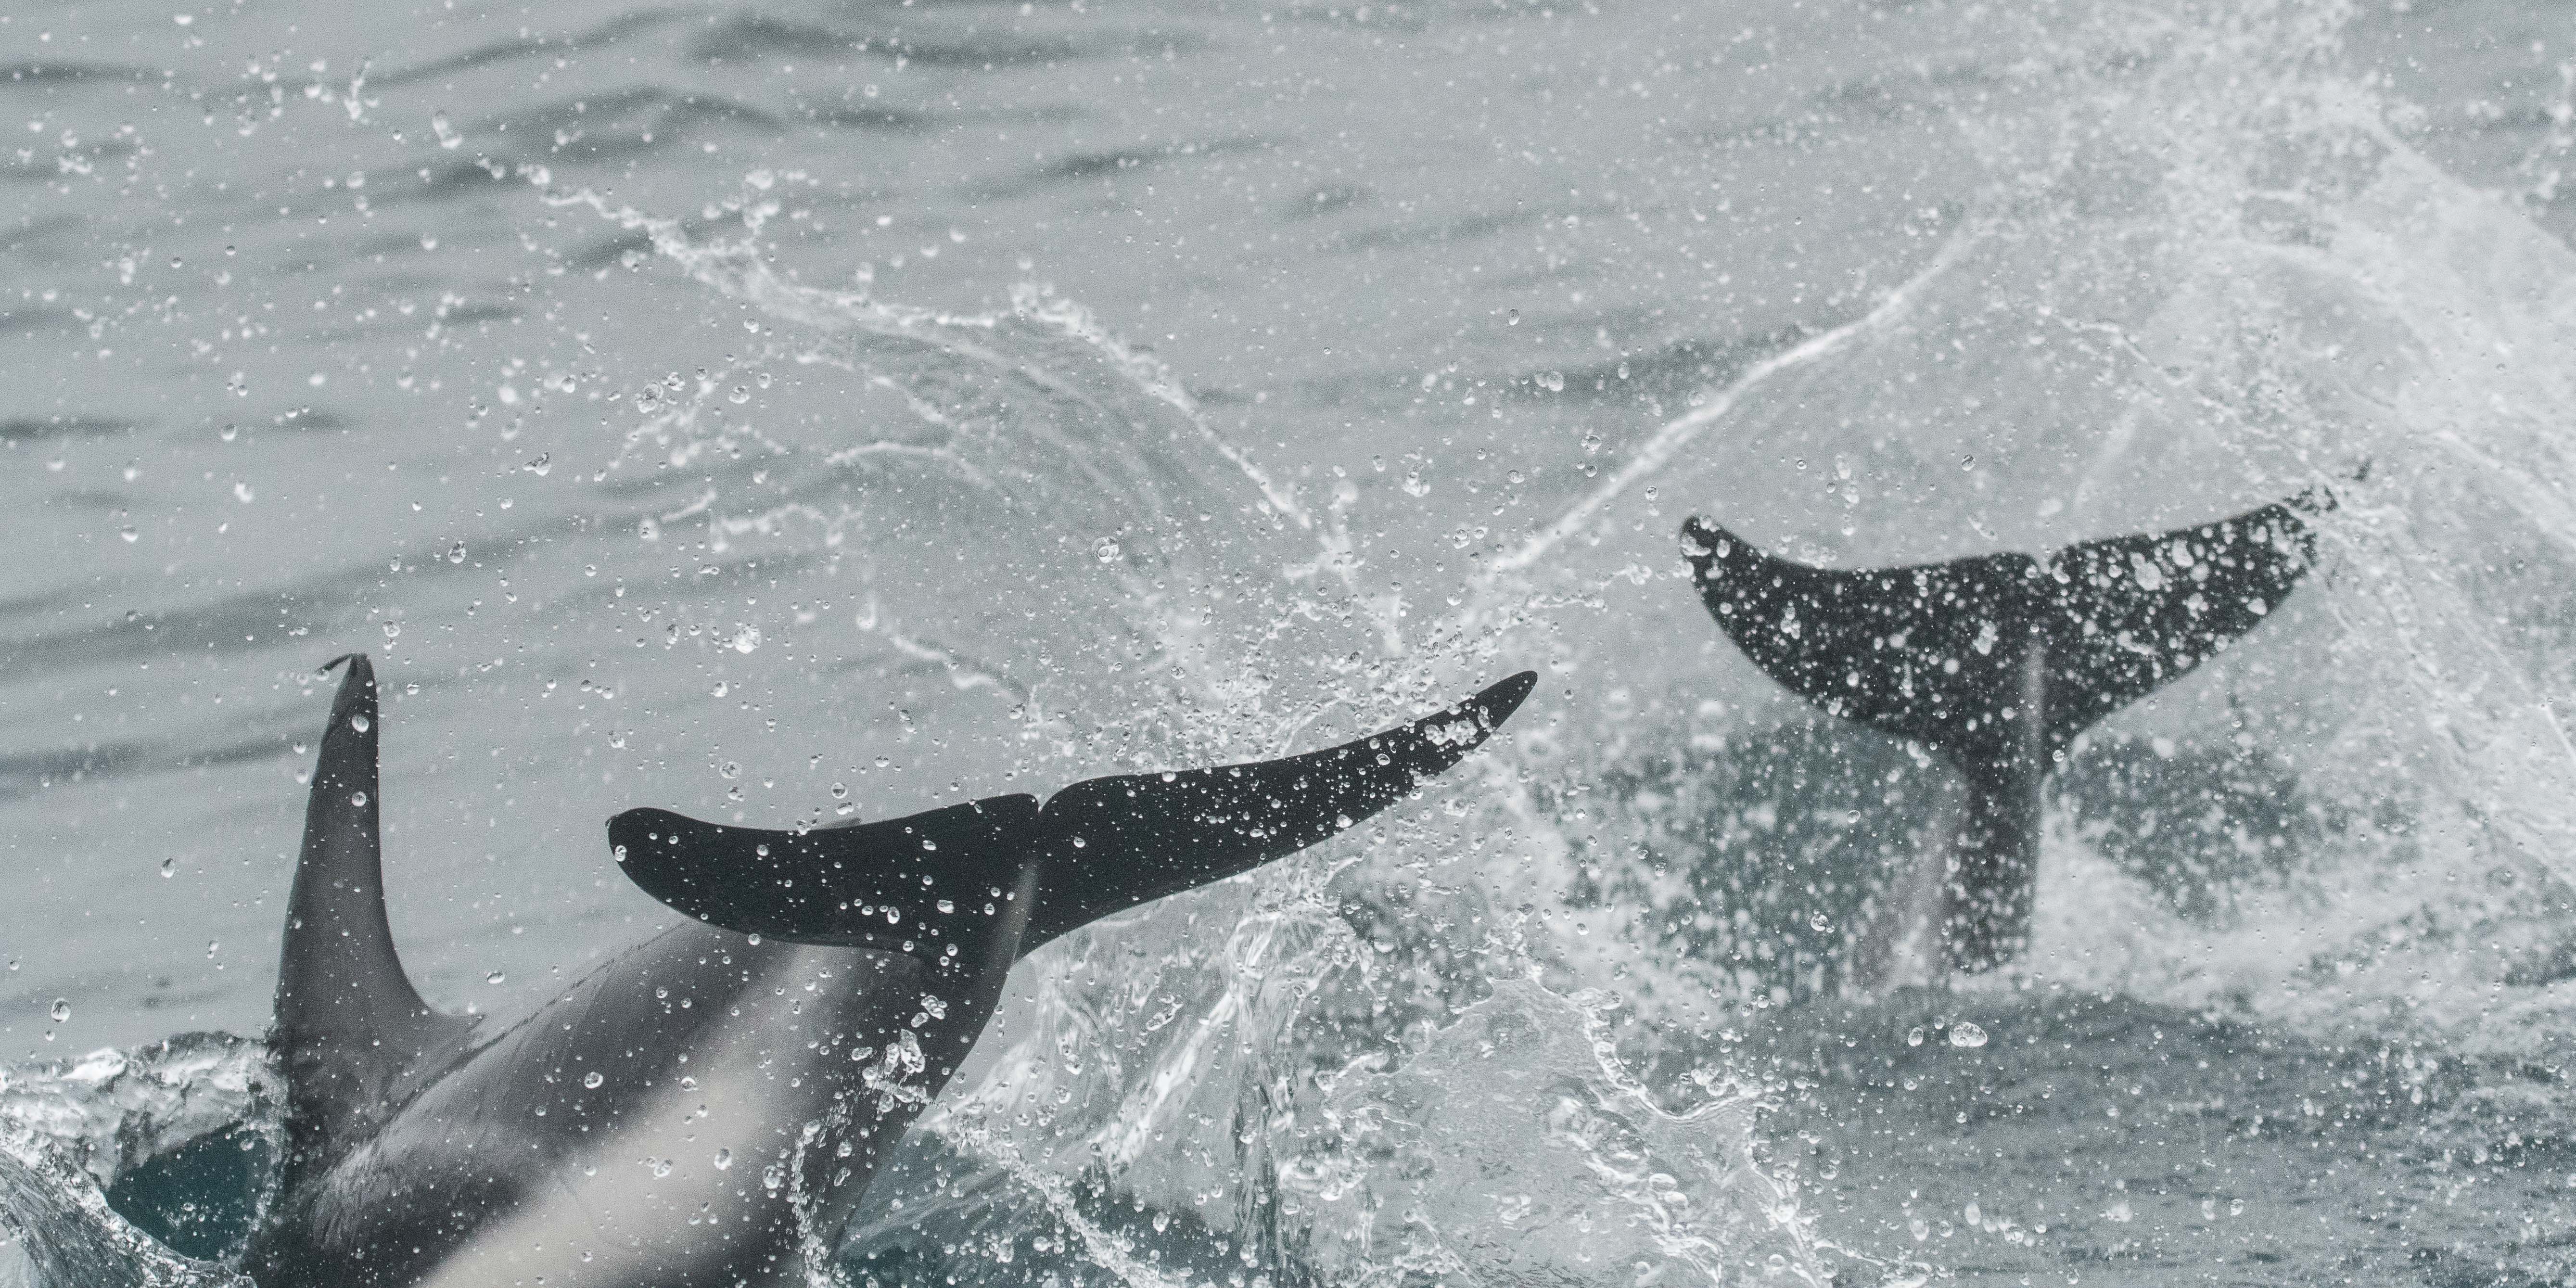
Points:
x=169 y=868
x=592 y=1079
x=456 y=553
x=840 y=790
x=357 y=798
x=359 y=722
x=494 y=978
x=1914 y=1036
x=661 y=1168
x=738 y=395
x=1965 y=1034
x=62 y=1010
x=724 y=1159
x=746 y=639
x=129 y=533
x=1818 y=921
x=543 y=465
x=1108 y=550
x=731 y=769
x=946 y=906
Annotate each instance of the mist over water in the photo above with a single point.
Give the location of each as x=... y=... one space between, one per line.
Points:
x=796 y=415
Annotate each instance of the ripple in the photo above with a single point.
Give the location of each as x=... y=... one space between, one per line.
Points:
x=33 y=429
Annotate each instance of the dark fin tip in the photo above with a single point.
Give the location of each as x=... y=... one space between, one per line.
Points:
x=1700 y=542
x=1500 y=699
x=357 y=689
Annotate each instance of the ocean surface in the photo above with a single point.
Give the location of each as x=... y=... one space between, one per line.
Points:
x=816 y=411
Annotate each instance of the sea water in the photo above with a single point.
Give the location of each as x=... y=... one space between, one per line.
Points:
x=792 y=414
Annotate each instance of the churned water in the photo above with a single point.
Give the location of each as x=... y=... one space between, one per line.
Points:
x=830 y=410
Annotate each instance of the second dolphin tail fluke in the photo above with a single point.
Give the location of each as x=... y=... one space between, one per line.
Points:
x=983 y=883
x=1998 y=661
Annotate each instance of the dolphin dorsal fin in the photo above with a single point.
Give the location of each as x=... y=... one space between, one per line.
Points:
x=349 y=1022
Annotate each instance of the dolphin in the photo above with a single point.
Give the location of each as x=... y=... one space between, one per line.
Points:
x=1998 y=661
x=707 y=1108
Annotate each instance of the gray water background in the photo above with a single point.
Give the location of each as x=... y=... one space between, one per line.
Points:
x=1055 y=390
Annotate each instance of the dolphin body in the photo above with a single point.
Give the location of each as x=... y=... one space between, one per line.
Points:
x=707 y=1108
x=1997 y=662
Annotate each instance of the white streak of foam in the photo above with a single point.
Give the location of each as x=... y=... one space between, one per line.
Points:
x=1683 y=430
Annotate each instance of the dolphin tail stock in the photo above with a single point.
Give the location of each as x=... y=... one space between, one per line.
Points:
x=348 y=1020
x=1999 y=661
x=984 y=883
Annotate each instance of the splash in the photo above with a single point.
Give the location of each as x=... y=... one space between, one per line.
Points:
x=2201 y=270
x=69 y=1131
x=1515 y=1148
x=1183 y=1080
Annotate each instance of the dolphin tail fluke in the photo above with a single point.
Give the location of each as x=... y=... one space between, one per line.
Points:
x=951 y=885
x=348 y=1020
x=1113 y=843
x=986 y=882
x=1998 y=661
x=2133 y=613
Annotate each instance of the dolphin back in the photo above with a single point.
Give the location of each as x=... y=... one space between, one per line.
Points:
x=943 y=885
